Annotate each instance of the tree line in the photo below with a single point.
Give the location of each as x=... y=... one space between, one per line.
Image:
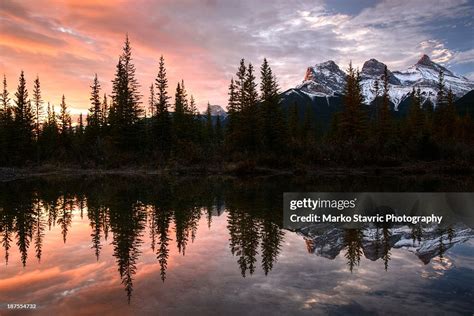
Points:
x=120 y=129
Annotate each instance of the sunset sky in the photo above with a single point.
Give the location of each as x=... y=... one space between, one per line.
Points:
x=66 y=42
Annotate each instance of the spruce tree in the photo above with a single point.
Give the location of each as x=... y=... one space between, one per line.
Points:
x=162 y=120
x=64 y=118
x=351 y=122
x=384 y=122
x=232 y=111
x=152 y=100
x=415 y=119
x=6 y=124
x=38 y=105
x=209 y=126
x=250 y=117
x=105 y=112
x=95 y=116
x=179 y=114
x=271 y=116
x=23 y=120
x=125 y=109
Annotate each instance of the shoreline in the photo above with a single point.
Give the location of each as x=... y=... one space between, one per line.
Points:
x=444 y=169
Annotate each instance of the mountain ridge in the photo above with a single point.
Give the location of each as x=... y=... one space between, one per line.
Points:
x=327 y=79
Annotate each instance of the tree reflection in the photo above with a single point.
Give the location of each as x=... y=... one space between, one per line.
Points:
x=168 y=215
x=353 y=244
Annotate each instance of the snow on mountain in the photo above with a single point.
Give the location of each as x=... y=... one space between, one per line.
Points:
x=324 y=79
x=327 y=79
x=329 y=240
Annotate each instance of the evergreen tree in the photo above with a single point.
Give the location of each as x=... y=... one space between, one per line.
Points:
x=192 y=106
x=5 y=99
x=95 y=116
x=64 y=118
x=240 y=86
x=6 y=124
x=152 y=100
x=415 y=118
x=162 y=121
x=249 y=108
x=273 y=123
x=441 y=114
x=38 y=105
x=232 y=111
x=384 y=122
x=179 y=115
x=125 y=110
x=23 y=121
x=450 y=118
x=80 y=125
x=105 y=112
x=209 y=127
x=351 y=122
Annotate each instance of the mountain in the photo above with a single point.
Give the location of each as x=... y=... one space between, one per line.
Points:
x=328 y=80
x=329 y=240
x=217 y=110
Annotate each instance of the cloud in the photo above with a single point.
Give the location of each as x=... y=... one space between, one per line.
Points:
x=202 y=41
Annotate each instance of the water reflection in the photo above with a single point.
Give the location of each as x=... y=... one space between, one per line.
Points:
x=132 y=215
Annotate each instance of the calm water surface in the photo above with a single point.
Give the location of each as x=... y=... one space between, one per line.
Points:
x=123 y=246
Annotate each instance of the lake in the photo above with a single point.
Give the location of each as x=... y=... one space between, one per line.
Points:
x=119 y=245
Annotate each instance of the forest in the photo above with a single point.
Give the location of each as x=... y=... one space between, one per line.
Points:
x=123 y=130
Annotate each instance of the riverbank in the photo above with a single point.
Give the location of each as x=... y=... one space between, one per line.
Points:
x=241 y=170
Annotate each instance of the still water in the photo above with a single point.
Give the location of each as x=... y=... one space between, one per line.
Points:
x=183 y=246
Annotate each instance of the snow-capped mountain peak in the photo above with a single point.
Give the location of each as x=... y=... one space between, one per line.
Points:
x=324 y=79
x=327 y=79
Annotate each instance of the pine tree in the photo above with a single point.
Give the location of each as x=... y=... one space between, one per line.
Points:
x=125 y=109
x=38 y=105
x=209 y=127
x=440 y=112
x=105 y=112
x=384 y=122
x=95 y=116
x=5 y=99
x=179 y=115
x=415 y=118
x=351 y=122
x=162 y=121
x=24 y=120
x=192 y=106
x=232 y=111
x=64 y=118
x=152 y=100
x=6 y=124
x=249 y=108
x=271 y=116
x=450 y=117
x=80 y=125
x=240 y=86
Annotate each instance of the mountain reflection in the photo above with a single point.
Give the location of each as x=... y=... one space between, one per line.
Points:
x=376 y=242
x=160 y=214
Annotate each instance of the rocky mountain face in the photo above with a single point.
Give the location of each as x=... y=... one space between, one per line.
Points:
x=217 y=110
x=425 y=242
x=327 y=80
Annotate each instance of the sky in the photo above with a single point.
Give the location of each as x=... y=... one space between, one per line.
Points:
x=66 y=42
